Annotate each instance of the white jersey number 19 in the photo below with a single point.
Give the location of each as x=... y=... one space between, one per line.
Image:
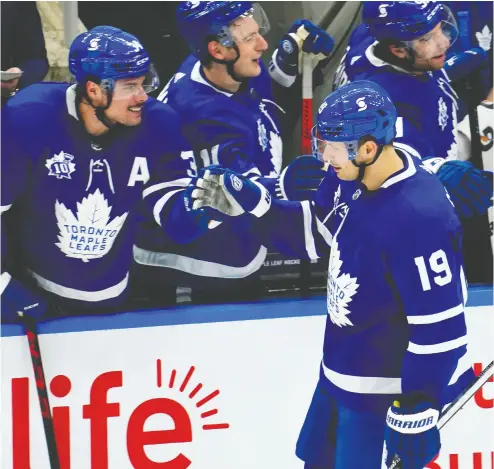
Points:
x=438 y=263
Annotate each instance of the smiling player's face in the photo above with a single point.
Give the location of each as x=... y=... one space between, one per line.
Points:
x=127 y=102
x=430 y=49
x=251 y=45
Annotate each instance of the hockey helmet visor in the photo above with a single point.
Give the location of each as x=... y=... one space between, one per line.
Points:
x=439 y=39
x=132 y=86
x=331 y=152
x=245 y=28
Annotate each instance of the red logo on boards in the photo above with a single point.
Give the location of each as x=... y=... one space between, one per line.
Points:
x=99 y=410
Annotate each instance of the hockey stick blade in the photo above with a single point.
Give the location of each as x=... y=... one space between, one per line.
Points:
x=41 y=388
x=457 y=404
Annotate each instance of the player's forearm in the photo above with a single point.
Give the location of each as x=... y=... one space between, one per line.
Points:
x=432 y=374
x=290 y=228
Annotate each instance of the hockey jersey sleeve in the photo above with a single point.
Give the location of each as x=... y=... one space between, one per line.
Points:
x=425 y=269
x=172 y=172
x=15 y=167
x=221 y=138
x=300 y=229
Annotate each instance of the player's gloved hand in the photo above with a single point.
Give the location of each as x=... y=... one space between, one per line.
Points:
x=18 y=298
x=411 y=433
x=300 y=179
x=303 y=37
x=470 y=189
x=223 y=191
x=460 y=65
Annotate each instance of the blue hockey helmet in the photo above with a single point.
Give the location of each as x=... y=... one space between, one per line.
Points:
x=405 y=21
x=358 y=109
x=202 y=21
x=110 y=54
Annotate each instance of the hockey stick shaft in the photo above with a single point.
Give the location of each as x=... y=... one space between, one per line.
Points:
x=457 y=404
x=42 y=389
x=307 y=69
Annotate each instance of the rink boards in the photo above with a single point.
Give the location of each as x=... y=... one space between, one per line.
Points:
x=210 y=387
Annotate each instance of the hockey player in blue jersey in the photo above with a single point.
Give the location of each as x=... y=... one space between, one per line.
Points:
x=402 y=46
x=76 y=162
x=395 y=345
x=223 y=94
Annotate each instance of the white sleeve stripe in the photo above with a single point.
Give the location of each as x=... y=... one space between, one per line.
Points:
x=408 y=148
x=437 y=348
x=437 y=317
x=158 y=206
x=183 y=182
x=4 y=281
x=251 y=171
x=463 y=365
x=464 y=288
x=4 y=208
x=264 y=202
x=214 y=154
x=324 y=232
x=310 y=244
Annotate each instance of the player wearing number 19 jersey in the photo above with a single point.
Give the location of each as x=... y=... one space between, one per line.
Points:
x=396 y=291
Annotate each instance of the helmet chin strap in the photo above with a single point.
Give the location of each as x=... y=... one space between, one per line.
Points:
x=230 y=64
x=99 y=111
x=361 y=167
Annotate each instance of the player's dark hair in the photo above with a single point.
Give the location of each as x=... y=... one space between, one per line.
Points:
x=383 y=52
x=370 y=138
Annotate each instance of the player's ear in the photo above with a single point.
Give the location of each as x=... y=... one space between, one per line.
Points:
x=94 y=92
x=368 y=151
x=216 y=50
x=400 y=52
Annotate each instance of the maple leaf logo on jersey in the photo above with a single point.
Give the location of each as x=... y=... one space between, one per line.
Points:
x=485 y=38
x=442 y=116
x=262 y=135
x=341 y=288
x=89 y=234
x=60 y=165
x=337 y=196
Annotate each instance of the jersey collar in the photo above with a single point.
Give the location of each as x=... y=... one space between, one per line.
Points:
x=408 y=170
x=377 y=62
x=196 y=75
x=70 y=100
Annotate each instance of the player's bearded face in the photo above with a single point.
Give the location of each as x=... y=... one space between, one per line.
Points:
x=251 y=45
x=127 y=102
x=430 y=49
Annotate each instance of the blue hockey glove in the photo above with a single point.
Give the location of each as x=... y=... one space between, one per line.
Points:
x=411 y=433
x=303 y=37
x=470 y=189
x=300 y=179
x=16 y=298
x=460 y=65
x=220 y=190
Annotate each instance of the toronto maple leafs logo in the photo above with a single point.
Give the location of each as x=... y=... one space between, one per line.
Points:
x=60 y=165
x=89 y=234
x=262 y=134
x=442 y=116
x=485 y=38
x=341 y=288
